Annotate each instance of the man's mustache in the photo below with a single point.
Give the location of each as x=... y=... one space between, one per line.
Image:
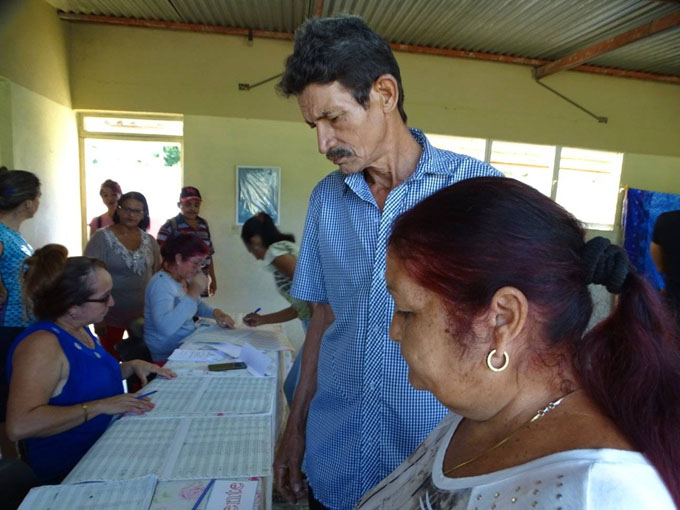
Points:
x=339 y=152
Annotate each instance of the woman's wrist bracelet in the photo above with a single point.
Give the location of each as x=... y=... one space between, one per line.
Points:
x=85 y=411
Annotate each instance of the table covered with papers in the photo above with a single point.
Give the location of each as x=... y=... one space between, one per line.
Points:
x=208 y=442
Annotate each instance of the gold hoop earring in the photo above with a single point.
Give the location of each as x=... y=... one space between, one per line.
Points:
x=506 y=360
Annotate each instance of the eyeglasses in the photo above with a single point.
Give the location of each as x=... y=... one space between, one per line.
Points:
x=198 y=264
x=130 y=211
x=103 y=299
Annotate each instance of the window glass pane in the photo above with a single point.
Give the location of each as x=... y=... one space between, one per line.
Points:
x=129 y=126
x=588 y=185
x=531 y=164
x=474 y=147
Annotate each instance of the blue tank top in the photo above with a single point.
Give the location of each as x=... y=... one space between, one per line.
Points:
x=93 y=374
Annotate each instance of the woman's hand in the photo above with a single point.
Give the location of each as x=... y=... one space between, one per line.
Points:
x=143 y=368
x=197 y=285
x=125 y=403
x=253 y=320
x=223 y=320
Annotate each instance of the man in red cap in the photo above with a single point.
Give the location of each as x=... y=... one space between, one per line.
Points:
x=189 y=222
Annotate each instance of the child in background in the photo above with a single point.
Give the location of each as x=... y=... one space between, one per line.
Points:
x=264 y=241
x=110 y=192
x=189 y=222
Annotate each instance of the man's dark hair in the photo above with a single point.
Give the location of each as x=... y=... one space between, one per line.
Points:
x=340 y=48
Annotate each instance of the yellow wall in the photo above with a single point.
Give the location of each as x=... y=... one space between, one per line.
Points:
x=213 y=148
x=46 y=143
x=37 y=125
x=33 y=48
x=121 y=68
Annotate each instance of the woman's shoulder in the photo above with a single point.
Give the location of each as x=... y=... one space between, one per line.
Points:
x=161 y=280
x=41 y=337
x=282 y=248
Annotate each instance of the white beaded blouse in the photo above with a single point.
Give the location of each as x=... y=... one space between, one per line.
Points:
x=570 y=480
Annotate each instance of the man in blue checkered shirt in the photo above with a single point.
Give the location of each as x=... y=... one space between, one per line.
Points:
x=354 y=416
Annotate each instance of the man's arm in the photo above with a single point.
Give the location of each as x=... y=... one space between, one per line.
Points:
x=291 y=449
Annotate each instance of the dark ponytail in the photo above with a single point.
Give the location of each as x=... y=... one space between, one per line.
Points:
x=630 y=365
x=17 y=186
x=262 y=225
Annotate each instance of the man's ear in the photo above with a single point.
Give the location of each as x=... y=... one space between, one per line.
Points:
x=386 y=90
x=507 y=316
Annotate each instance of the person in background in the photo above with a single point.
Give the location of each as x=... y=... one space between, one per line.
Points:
x=19 y=201
x=353 y=394
x=189 y=222
x=64 y=387
x=110 y=192
x=132 y=257
x=172 y=298
x=490 y=284
x=665 y=251
x=265 y=242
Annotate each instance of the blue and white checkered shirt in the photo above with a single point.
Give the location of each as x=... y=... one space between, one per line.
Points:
x=365 y=418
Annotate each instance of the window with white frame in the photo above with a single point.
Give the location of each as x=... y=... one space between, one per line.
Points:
x=585 y=182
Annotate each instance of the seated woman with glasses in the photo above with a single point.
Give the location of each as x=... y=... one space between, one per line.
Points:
x=132 y=257
x=173 y=299
x=491 y=305
x=64 y=387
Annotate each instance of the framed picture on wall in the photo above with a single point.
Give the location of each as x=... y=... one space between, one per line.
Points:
x=258 y=189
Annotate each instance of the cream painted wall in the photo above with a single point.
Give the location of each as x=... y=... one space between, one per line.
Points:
x=37 y=128
x=45 y=142
x=213 y=148
x=6 y=147
x=657 y=173
x=33 y=48
x=121 y=68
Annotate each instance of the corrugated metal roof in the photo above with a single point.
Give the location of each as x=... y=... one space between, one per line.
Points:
x=538 y=29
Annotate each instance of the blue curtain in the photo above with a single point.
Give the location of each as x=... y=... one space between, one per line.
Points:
x=641 y=209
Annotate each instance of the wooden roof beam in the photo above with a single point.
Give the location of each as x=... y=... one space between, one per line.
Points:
x=579 y=57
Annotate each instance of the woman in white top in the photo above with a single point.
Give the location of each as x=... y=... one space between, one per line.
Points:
x=278 y=251
x=490 y=284
x=131 y=256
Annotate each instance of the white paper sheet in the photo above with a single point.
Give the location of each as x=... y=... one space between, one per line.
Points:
x=258 y=364
x=225 y=447
x=133 y=494
x=188 y=448
x=231 y=350
x=131 y=447
x=259 y=338
x=209 y=355
x=200 y=394
x=232 y=494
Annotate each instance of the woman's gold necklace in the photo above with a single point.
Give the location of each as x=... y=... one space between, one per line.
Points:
x=539 y=414
x=79 y=334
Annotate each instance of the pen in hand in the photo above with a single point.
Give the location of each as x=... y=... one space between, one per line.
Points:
x=250 y=318
x=146 y=394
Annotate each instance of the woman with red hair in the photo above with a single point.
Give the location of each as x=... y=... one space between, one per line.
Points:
x=490 y=285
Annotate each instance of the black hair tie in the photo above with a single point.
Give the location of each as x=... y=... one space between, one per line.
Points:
x=605 y=264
